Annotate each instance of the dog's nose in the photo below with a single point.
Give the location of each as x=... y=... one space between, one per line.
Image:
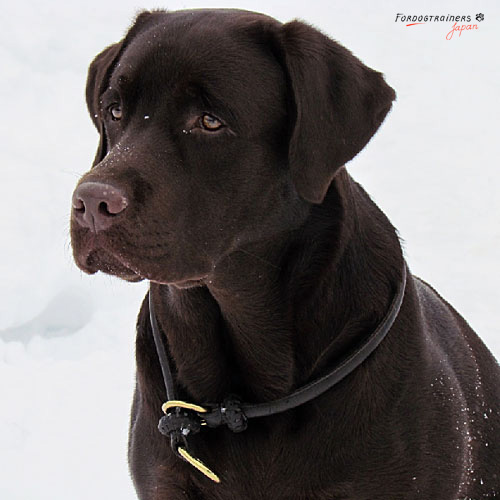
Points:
x=95 y=205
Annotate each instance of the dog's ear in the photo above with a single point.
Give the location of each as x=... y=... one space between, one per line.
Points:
x=98 y=76
x=338 y=102
x=102 y=66
x=100 y=72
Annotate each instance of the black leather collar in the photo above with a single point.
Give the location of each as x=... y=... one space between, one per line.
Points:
x=182 y=419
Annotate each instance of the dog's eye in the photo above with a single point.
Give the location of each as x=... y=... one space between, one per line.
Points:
x=209 y=122
x=116 y=112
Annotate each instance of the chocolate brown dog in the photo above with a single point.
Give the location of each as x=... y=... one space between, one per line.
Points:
x=220 y=178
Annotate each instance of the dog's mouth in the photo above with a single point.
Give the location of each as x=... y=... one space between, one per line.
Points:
x=114 y=256
x=101 y=260
x=93 y=254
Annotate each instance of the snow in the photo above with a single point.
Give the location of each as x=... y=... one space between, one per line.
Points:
x=67 y=339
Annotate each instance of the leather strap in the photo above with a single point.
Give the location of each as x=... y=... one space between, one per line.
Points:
x=181 y=419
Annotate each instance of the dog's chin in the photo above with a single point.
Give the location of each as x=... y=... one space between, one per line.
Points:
x=183 y=284
x=107 y=263
x=113 y=265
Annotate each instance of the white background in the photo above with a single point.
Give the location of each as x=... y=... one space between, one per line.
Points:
x=67 y=340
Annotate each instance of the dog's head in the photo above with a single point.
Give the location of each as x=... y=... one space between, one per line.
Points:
x=217 y=128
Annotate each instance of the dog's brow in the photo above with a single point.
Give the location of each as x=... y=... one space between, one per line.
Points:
x=123 y=81
x=216 y=104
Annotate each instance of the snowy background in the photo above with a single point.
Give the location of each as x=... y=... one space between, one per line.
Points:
x=67 y=339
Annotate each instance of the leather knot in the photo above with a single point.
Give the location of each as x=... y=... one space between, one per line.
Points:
x=228 y=413
x=180 y=421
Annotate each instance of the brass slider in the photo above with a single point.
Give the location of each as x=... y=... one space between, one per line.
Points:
x=198 y=464
x=174 y=403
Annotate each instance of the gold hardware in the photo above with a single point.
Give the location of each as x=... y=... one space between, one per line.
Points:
x=174 y=403
x=198 y=464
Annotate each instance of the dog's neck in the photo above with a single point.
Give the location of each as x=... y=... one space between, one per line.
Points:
x=274 y=315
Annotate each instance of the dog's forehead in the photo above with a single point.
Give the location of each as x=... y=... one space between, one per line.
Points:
x=221 y=49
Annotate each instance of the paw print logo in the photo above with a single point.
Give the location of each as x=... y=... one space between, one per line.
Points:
x=479 y=17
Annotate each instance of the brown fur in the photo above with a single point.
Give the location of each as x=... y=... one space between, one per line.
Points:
x=269 y=264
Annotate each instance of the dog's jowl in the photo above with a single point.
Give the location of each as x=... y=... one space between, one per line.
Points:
x=306 y=360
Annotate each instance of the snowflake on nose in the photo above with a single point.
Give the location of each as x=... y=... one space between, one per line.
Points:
x=479 y=17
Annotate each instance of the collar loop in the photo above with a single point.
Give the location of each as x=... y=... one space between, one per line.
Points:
x=182 y=419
